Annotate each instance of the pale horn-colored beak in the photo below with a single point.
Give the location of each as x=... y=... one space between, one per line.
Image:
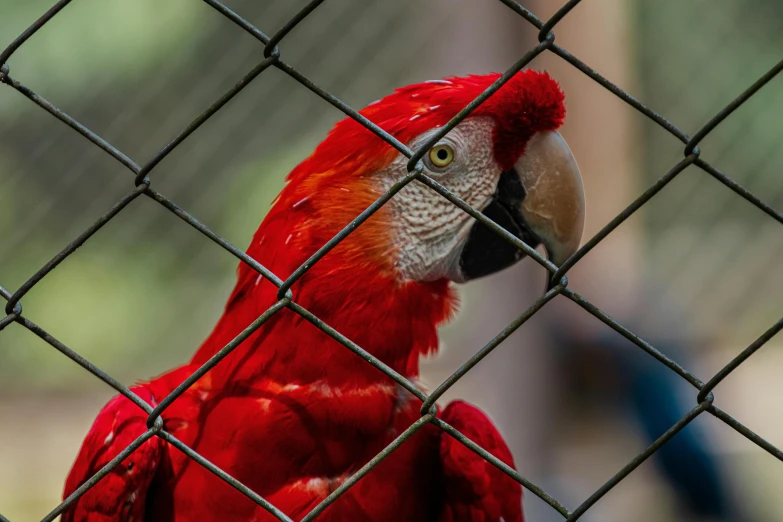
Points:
x=554 y=205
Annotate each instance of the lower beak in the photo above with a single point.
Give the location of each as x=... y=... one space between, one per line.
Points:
x=540 y=201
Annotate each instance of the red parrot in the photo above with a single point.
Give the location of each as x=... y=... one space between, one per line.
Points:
x=291 y=413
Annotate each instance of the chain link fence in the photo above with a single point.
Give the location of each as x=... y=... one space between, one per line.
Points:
x=273 y=59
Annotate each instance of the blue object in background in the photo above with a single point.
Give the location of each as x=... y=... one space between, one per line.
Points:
x=655 y=398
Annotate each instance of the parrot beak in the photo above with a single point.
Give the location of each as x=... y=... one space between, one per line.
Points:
x=540 y=200
x=554 y=206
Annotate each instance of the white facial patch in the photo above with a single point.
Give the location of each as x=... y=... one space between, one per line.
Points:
x=430 y=231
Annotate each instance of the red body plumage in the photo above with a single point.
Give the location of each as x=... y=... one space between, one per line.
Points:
x=291 y=413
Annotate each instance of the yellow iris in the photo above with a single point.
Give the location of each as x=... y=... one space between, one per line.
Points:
x=441 y=155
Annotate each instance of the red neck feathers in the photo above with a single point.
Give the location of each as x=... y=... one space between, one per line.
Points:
x=354 y=288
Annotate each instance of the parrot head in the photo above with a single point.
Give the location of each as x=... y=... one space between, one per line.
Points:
x=506 y=160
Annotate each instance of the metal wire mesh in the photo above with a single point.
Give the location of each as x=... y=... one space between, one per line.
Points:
x=272 y=59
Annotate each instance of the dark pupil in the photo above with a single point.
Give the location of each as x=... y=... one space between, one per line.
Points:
x=443 y=154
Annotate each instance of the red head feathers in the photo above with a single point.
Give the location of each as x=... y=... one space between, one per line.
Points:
x=528 y=103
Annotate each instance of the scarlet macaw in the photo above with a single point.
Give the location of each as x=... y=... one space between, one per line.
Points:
x=290 y=412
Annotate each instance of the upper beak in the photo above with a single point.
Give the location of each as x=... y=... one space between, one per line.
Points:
x=553 y=208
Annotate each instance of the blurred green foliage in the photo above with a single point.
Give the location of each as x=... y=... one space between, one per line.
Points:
x=126 y=40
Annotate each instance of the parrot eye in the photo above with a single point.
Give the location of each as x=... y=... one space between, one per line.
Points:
x=441 y=155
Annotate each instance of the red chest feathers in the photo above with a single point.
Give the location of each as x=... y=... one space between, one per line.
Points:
x=307 y=440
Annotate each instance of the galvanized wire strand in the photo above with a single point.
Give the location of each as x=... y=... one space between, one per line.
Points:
x=558 y=281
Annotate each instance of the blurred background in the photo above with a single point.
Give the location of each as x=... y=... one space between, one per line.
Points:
x=696 y=271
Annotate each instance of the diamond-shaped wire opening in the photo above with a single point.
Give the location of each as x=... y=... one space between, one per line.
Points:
x=14 y=312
